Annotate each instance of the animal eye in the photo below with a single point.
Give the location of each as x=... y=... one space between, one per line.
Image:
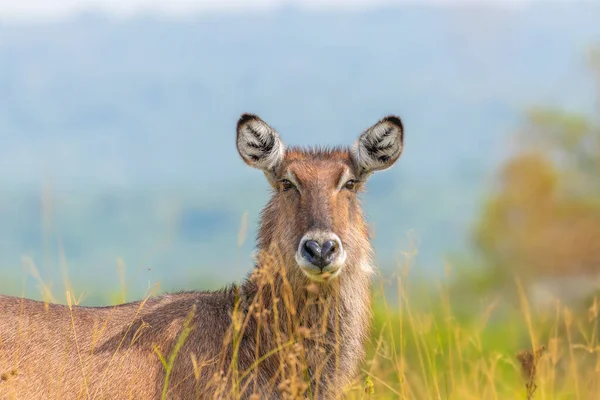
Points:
x=286 y=185
x=350 y=185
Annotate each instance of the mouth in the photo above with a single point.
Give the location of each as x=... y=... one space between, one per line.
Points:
x=315 y=274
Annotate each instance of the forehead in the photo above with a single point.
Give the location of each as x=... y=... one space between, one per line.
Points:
x=310 y=163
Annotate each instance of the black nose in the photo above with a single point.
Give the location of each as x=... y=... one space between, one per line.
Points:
x=319 y=255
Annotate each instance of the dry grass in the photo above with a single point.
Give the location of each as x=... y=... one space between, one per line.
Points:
x=424 y=346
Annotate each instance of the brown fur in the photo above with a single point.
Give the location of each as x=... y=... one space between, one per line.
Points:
x=50 y=351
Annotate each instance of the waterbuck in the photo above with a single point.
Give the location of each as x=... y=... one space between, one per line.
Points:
x=295 y=327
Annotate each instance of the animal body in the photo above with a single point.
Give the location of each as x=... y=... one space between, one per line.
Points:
x=295 y=328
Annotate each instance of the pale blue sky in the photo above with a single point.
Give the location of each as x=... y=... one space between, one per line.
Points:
x=27 y=9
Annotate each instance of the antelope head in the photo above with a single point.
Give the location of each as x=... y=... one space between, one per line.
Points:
x=314 y=217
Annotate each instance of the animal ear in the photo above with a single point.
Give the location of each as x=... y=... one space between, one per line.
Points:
x=379 y=147
x=258 y=144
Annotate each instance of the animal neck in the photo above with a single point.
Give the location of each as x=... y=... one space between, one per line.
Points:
x=294 y=303
x=331 y=320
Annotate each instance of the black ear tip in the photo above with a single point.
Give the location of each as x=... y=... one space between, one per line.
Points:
x=394 y=119
x=246 y=117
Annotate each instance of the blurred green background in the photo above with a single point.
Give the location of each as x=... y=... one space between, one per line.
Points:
x=119 y=167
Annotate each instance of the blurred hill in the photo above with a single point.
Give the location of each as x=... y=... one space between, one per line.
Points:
x=117 y=133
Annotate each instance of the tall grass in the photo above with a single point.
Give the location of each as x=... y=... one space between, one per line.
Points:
x=424 y=345
x=422 y=349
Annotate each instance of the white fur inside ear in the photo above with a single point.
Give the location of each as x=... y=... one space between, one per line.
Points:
x=259 y=144
x=379 y=147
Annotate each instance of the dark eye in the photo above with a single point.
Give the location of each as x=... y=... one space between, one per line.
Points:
x=350 y=185
x=286 y=185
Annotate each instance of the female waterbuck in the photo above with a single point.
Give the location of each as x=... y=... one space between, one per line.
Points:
x=295 y=328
